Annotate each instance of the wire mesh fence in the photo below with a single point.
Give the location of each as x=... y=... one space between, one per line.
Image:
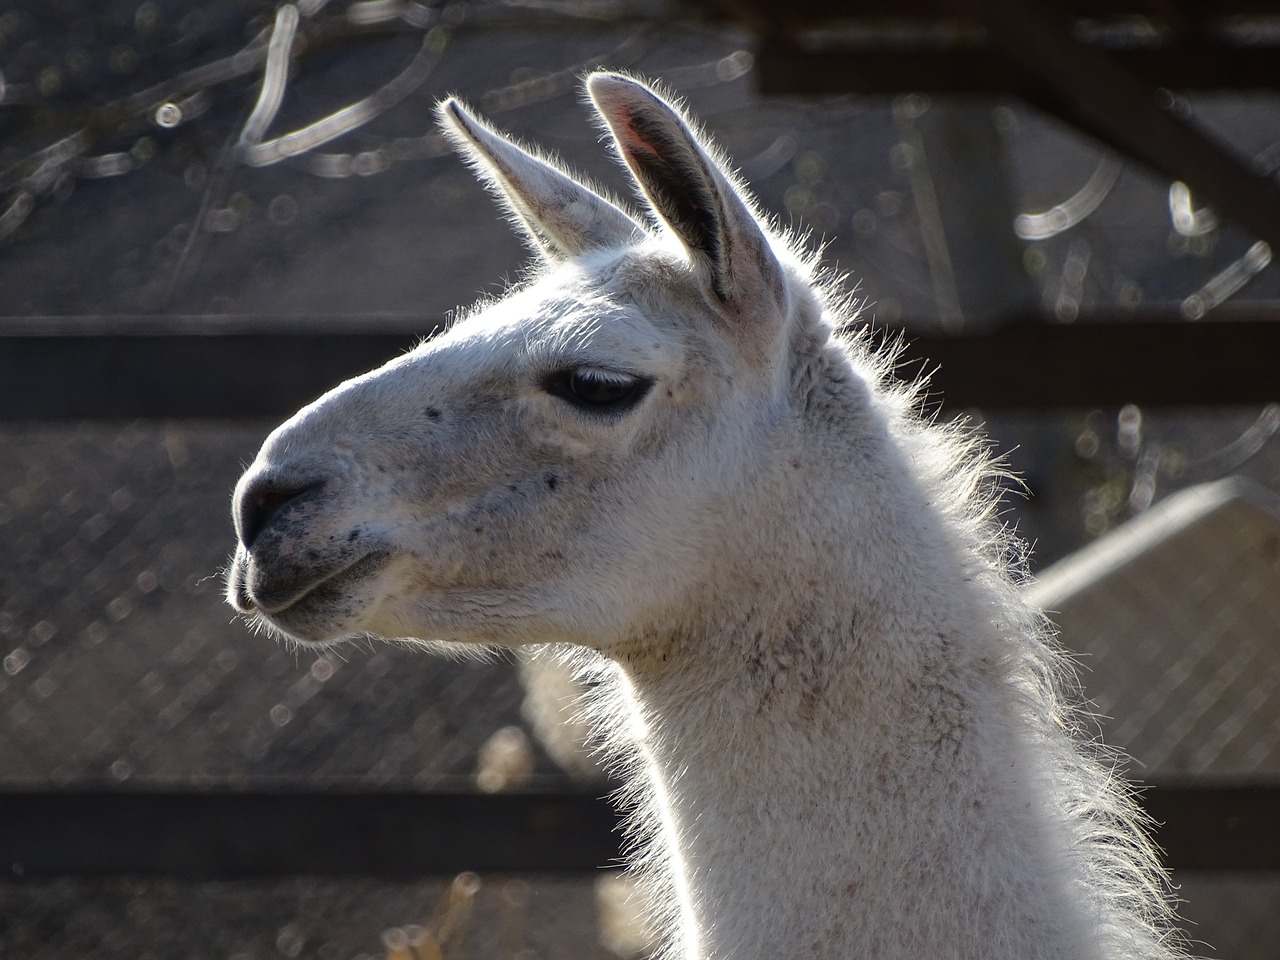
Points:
x=120 y=659
x=130 y=148
x=119 y=662
x=514 y=918
x=1230 y=916
x=122 y=662
x=1176 y=626
x=121 y=665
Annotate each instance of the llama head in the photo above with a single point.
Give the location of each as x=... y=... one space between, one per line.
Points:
x=562 y=464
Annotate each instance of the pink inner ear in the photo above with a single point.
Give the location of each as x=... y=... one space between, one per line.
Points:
x=634 y=141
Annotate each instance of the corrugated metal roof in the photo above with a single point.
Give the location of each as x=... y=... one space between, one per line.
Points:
x=1175 y=617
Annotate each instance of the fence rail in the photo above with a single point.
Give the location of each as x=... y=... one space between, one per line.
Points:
x=220 y=834
x=161 y=368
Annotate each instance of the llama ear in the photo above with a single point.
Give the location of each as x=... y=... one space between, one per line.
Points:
x=561 y=216
x=690 y=192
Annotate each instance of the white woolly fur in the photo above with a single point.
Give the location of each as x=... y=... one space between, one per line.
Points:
x=843 y=732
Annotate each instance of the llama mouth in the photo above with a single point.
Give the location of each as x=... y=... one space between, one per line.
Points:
x=253 y=590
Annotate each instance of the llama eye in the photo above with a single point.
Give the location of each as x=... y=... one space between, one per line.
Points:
x=591 y=388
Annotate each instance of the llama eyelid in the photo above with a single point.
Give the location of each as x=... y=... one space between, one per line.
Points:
x=597 y=390
x=600 y=370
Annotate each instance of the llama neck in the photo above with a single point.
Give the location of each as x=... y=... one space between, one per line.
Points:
x=817 y=803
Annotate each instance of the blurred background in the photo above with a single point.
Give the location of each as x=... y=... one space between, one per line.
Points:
x=1070 y=212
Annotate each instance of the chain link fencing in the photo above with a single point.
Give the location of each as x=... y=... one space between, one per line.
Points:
x=119 y=662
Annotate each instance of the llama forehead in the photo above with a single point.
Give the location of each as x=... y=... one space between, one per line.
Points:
x=565 y=320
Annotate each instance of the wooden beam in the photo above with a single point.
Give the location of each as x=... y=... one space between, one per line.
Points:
x=160 y=368
x=788 y=70
x=237 y=834
x=1093 y=91
x=1037 y=366
x=932 y=10
x=1223 y=827
x=166 y=368
x=1123 y=98
x=224 y=834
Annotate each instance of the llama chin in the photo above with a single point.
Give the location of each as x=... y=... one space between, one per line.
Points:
x=844 y=731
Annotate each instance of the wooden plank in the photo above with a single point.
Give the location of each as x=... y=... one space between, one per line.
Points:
x=1096 y=93
x=786 y=70
x=1229 y=827
x=162 y=369
x=158 y=368
x=210 y=835
x=223 y=834
x=907 y=10
x=1038 y=366
x=1120 y=97
x=160 y=375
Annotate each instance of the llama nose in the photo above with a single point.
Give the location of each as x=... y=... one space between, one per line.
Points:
x=261 y=500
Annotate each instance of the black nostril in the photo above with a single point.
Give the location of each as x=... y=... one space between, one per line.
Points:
x=261 y=501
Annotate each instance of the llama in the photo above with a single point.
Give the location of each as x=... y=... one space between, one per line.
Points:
x=842 y=728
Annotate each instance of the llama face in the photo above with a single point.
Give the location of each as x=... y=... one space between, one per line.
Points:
x=557 y=466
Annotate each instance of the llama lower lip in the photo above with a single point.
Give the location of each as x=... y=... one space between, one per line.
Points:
x=238 y=592
x=287 y=596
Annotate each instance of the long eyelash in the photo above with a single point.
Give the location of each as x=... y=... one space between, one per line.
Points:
x=566 y=384
x=611 y=376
